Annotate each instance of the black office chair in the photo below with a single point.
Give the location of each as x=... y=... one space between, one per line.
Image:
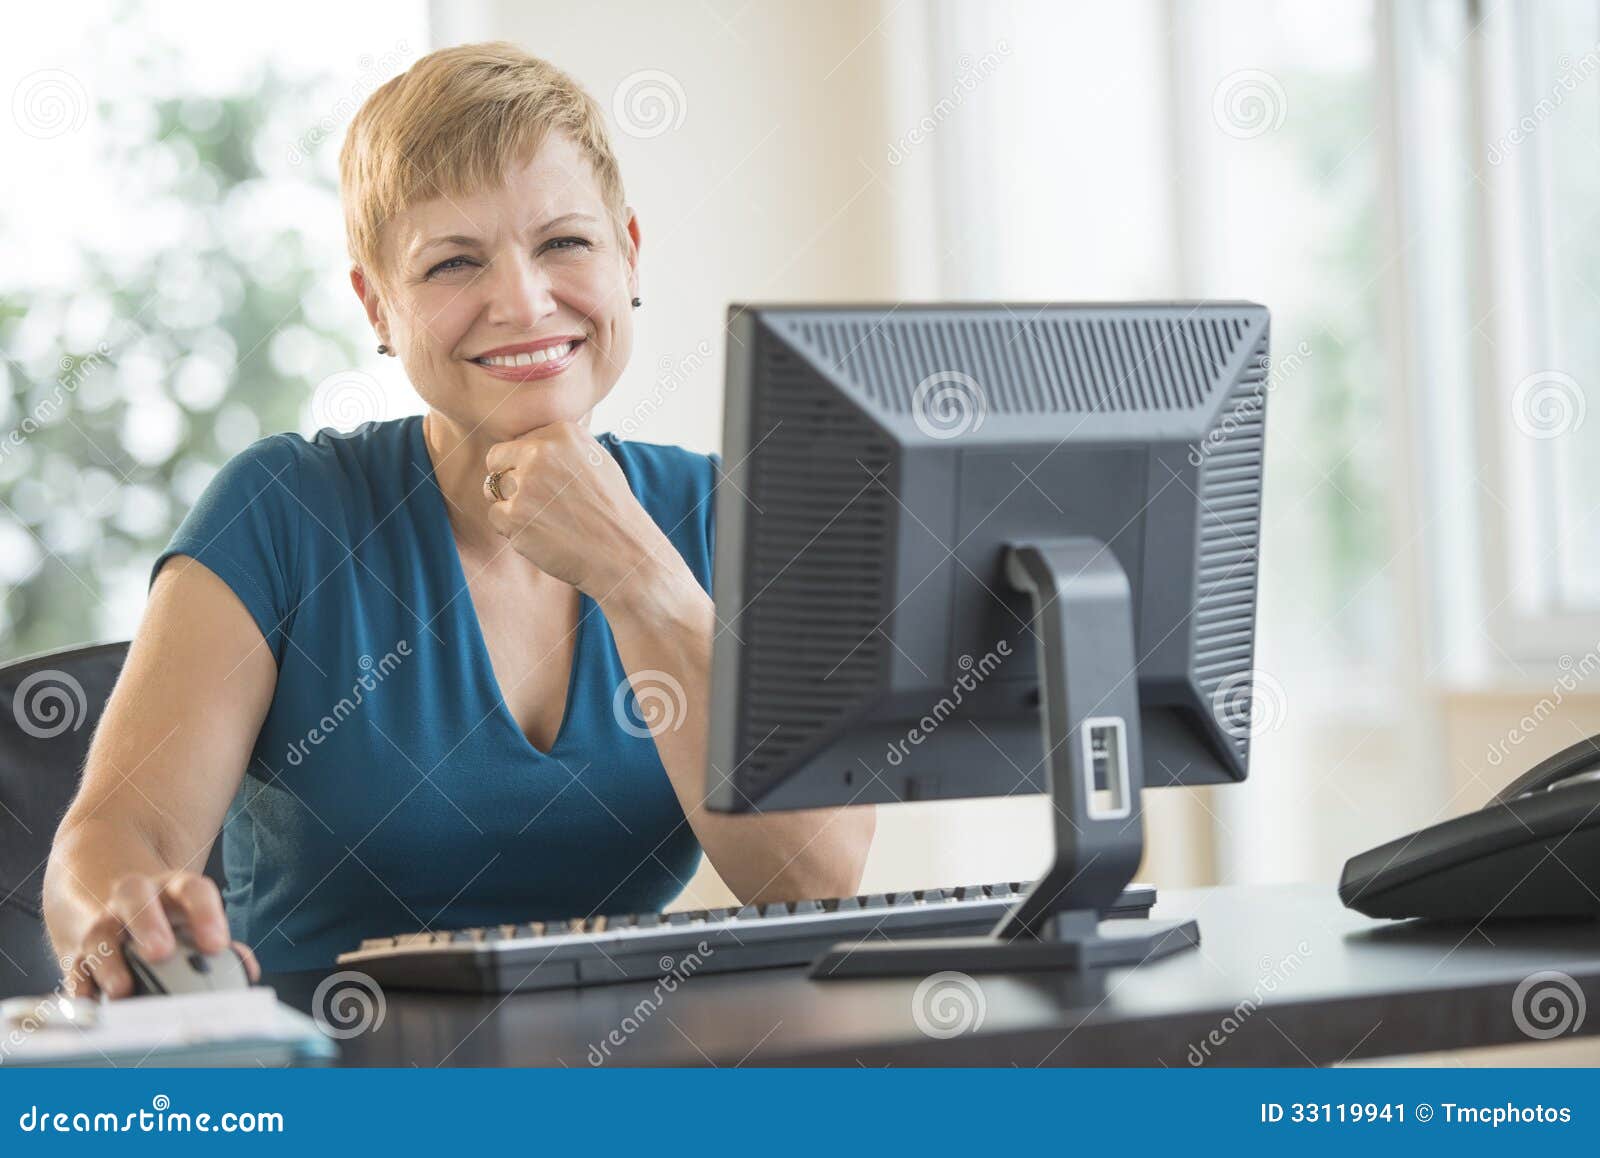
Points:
x=49 y=706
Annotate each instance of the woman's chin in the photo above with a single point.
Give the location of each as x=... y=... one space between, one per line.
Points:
x=517 y=415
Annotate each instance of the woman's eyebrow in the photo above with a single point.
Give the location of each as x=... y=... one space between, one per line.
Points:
x=565 y=218
x=435 y=242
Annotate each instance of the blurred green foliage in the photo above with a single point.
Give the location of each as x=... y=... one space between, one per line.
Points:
x=165 y=364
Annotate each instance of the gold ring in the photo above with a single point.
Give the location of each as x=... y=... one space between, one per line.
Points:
x=493 y=483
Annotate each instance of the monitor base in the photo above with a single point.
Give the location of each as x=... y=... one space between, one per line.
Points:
x=1084 y=943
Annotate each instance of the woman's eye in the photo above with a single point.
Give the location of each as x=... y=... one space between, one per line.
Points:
x=567 y=243
x=449 y=265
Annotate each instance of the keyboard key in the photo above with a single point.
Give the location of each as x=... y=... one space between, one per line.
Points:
x=776 y=909
x=875 y=901
x=932 y=896
x=718 y=914
x=849 y=905
x=808 y=907
x=748 y=913
x=904 y=899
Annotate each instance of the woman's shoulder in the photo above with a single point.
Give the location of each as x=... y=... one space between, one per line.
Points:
x=287 y=507
x=678 y=488
x=320 y=469
x=657 y=469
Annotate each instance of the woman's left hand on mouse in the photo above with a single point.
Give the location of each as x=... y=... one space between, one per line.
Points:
x=156 y=913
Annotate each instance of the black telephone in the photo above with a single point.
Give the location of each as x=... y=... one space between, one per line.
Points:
x=1532 y=851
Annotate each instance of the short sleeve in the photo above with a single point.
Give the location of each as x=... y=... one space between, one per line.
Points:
x=245 y=529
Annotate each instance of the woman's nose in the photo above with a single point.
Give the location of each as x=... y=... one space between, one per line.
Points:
x=520 y=293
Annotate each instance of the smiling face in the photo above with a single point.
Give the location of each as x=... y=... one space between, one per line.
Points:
x=510 y=309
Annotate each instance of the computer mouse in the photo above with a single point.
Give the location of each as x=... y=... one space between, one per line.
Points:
x=1532 y=851
x=186 y=970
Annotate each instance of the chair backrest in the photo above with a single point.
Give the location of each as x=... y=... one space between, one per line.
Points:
x=49 y=707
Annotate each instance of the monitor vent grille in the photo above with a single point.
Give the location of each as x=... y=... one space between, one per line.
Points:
x=1230 y=538
x=1045 y=361
x=816 y=587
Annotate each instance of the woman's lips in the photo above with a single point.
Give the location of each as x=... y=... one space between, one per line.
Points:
x=548 y=368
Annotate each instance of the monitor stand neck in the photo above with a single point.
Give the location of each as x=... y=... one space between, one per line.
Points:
x=1089 y=708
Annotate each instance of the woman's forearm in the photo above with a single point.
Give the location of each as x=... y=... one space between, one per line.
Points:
x=663 y=622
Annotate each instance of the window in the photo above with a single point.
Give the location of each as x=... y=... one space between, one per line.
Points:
x=1540 y=141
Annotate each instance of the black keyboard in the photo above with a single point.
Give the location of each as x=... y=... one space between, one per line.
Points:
x=642 y=947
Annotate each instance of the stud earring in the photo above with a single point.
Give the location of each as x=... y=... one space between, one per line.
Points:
x=637 y=303
x=382 y=349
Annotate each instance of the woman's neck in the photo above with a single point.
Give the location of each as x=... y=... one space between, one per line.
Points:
x=458 y=457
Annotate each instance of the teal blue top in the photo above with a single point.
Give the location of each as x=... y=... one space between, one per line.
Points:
x=391 y=789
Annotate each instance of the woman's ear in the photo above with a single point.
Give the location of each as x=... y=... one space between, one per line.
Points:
x=367 y=291
x=633 y=253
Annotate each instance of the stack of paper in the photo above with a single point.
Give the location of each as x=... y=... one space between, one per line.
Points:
x=240 y=1028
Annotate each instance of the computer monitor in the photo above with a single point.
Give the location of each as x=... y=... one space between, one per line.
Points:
x=985 y=549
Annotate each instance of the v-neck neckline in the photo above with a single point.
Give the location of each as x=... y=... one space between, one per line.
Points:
x=479 y=644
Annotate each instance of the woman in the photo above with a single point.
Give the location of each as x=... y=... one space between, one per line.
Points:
x=401 y=669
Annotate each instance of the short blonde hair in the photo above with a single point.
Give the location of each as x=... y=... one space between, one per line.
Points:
x=453 y=124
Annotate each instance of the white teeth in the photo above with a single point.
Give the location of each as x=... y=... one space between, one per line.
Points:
x=529 y=359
